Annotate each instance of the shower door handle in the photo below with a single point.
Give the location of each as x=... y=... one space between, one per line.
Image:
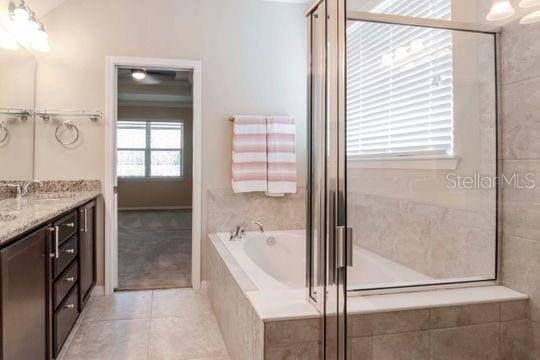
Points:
x=344 y=246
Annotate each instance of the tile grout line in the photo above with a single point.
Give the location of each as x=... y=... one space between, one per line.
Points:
x=149 y=326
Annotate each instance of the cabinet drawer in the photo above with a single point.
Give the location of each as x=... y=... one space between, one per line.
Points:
x=64 y=283
x=64 y=319
x=67 y=226
x=67 y=252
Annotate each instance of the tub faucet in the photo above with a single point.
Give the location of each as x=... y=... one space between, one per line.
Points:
x=240 y=230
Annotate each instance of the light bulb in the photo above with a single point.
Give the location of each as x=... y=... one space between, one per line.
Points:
x=138 y=74
x=40 y=40
x=33 y=24
x=7 y=41
x=19 y=13
x=531 y=18
x=529 y=3
x=500 y=10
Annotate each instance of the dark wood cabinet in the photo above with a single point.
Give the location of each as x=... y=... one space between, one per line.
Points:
x=64 y=319
x=46 y=279
x=87 y=252
x=24 y=267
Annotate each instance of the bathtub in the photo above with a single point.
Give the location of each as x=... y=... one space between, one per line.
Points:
x=256 y=288
x=277 y=260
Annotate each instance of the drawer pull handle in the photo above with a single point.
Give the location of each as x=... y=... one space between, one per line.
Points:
x=69 y=306
x=70 y=251
x=69 y=279
x=85 y=213
x=71 y=224
x=56 y=253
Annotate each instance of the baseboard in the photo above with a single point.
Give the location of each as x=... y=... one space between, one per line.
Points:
x=155 y=208
x=98 y=291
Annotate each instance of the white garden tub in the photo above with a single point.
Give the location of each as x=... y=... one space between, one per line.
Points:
x=280 y=263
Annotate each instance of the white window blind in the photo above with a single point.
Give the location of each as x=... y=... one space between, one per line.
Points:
x=399 y=84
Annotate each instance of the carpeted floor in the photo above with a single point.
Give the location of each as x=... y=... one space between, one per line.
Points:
x=154 y=249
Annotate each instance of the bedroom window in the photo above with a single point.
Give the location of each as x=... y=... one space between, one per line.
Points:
x=150 y=149
x=400 y=85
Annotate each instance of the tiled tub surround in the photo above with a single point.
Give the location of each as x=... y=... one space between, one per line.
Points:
x=429 y=239
x=520 y=92
x=52 y=199
x=287 y=212
x=471 y=323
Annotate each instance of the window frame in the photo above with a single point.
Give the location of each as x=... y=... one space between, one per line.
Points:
x=148 y=150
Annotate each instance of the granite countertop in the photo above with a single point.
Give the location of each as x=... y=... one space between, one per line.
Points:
x=17 y=217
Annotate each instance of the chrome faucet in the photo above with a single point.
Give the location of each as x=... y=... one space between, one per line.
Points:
x=22 y=188
x=240 y=230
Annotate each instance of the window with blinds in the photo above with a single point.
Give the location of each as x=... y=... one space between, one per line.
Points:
x=150 y=149
x=399 y=84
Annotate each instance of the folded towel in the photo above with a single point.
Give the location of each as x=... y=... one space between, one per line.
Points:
x=249 y=163
x=281 y=143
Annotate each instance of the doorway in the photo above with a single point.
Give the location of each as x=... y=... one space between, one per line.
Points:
x=153 y=174
x=154 y=144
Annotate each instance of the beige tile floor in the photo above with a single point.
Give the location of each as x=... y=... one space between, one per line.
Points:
x=175 y=324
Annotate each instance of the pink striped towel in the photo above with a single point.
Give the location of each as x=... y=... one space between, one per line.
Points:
x=281 y=143
x=249 y=163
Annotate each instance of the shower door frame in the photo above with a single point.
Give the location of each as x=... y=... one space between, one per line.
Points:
x=333 y=285
x=330 y=284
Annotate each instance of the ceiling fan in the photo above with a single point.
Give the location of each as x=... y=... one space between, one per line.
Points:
x=152 y=77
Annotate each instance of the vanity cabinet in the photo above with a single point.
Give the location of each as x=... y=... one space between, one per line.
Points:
x=87 y=252
x=24 y=267
x=47 y=276
x=64 y=305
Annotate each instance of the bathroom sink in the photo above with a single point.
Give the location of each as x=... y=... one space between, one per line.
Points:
x=49 y=196
x=7 y=217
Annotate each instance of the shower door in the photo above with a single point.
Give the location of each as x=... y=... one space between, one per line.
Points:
x=403 y=118
x=326 y=227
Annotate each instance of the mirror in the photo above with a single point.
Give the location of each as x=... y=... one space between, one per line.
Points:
x=17 y=98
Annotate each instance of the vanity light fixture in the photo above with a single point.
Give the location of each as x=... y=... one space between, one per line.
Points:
x=500 y=10
x=33 y=24
x=26 y=28
x=529 y=3
x=19 y=14
x=40 y=40
x=531 y=18
x=138 y=74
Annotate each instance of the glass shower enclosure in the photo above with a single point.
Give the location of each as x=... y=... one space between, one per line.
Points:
x=403 y=153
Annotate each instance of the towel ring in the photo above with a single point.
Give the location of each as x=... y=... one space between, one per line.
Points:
x=4 y=129
x=70 y=126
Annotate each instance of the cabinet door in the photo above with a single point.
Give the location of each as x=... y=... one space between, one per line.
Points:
x=87 y=251
x=24 y=297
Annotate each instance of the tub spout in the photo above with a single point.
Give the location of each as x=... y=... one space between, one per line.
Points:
x=240 y=230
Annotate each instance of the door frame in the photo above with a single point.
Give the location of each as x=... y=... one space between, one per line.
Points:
x=110 y=198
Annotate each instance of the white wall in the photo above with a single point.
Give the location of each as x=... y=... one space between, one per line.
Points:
x=253 y=54
x=253 y=57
